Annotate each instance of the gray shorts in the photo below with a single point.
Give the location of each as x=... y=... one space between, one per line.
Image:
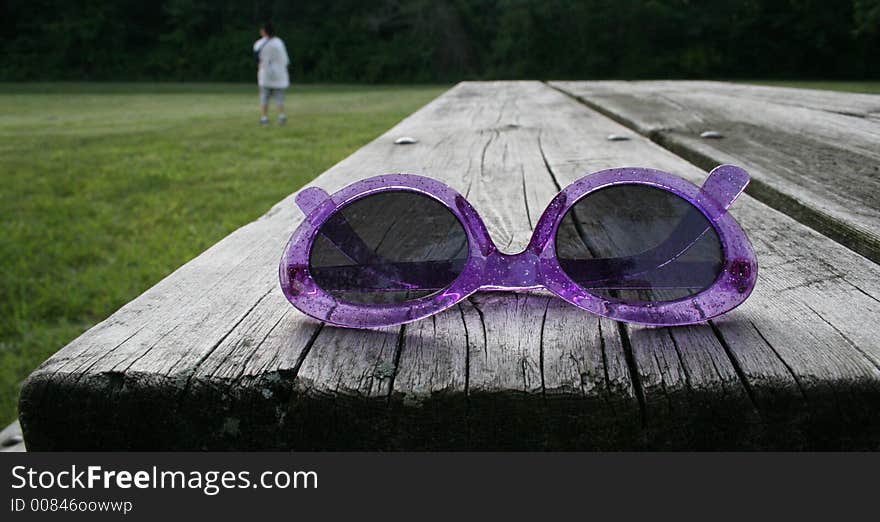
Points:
x=268 y=92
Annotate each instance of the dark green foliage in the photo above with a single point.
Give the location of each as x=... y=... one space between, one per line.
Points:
x=441 y=40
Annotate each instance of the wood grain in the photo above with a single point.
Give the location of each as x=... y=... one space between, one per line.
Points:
x=814 y=155
x=213 y=356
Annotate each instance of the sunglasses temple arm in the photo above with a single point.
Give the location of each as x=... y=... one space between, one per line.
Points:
x=310 y=198
x=724 y=184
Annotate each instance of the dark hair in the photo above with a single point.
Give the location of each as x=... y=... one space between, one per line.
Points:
x=269 y=28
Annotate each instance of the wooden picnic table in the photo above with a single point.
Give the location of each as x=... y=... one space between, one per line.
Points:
x=214 y=357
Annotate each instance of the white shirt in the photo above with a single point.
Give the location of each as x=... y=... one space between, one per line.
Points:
x=273 y=63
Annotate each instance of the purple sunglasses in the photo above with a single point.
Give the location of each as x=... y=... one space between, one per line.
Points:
x=631 y=244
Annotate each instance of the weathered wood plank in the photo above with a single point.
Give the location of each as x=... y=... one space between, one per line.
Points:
x=845 y=103
x=806 y=156
x=213 y=356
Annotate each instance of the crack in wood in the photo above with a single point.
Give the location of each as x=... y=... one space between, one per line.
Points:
x=787 y=366
x=522 y=172
x=238 y=378
x=541 y=345
x=208 y=353
x=631 y=365
x=398 y=350
x=735 y=363
x=467 y=352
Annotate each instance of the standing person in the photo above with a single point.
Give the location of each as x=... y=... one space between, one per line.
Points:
x=272 y=74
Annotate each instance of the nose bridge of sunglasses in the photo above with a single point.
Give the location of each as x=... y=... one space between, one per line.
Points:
x=724 y=184
x=311 y=198
x=511 y=271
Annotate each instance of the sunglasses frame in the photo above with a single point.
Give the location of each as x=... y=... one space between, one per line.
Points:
x=537 y=266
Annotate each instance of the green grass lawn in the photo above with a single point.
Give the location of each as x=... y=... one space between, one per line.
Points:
x=106 y=188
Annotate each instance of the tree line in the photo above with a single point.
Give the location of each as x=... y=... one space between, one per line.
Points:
x=442 y=40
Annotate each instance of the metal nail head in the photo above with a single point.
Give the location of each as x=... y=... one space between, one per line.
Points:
x=12 y=441
x=617 y=137
x=711 y=135
x=405 y=140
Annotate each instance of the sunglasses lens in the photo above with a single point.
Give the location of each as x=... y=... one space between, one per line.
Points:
x=388 y=248
x=638 y=243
